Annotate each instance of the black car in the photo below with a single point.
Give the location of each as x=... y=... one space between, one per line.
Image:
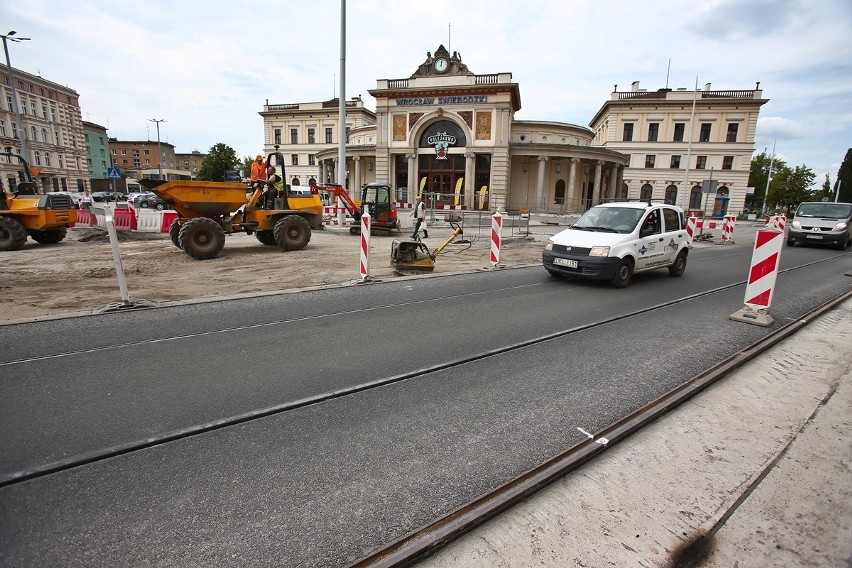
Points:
x=105 y=196
x=154 y=202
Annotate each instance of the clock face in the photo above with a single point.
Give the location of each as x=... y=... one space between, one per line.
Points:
x=440 y=65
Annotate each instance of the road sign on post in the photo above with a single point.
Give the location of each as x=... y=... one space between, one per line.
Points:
x=113 y=173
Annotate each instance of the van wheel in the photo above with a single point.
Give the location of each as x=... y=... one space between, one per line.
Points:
x=791 y=243
x=679 y=265
x=623 y=273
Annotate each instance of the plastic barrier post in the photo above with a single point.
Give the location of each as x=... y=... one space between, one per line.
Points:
x=365 y=245
x=124 y=219
x=690 y=230
x=496 y=237
x=761 y=278
x=728 y=229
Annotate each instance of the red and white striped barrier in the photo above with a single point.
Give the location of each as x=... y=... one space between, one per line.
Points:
x=728 y=228
x=778 y=222
x=365 y=245
x=761 y=278
x=691 y=224
x=166 y=220
x=496 y=237
x=86 y=218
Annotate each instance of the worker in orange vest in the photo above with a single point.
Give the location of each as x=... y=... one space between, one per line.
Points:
x=258 y=170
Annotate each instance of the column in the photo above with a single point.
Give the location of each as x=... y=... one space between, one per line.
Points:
x=470 y=191
x=413 y=183
x=540 y=200
x=596 y=190
x=613 y=181
x=356 y=164
x=572 y=186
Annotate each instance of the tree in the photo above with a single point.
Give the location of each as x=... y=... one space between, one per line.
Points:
x=789 y=187
x=246 y=165
x=759 y=173
x=825 y=192
x=221 y=157
x=844 y=178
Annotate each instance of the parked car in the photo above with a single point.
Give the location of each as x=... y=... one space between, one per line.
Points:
x=612 y=241
x=105 y=196
x=155 y=202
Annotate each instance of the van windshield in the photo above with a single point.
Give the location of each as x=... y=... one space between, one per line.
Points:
x=609 y=219
x=825 y=210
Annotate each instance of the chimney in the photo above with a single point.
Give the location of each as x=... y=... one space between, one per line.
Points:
x=706 y=86
x=634 y=86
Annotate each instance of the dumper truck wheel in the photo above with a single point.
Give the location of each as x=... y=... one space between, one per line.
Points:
x=13 y=235
x=201 y=238
x=266 y=237
x=174 y=232
x=50 y=237
x=292 y=232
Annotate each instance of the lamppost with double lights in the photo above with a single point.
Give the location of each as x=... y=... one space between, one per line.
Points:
x=22 y=132
x=159 y=152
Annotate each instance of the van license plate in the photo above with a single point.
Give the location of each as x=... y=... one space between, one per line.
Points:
x=813 y=236
x=565 y=262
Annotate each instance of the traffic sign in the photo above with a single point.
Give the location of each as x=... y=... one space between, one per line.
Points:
x=113 y=173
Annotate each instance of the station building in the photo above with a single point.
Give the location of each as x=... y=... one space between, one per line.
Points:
x=451 y=135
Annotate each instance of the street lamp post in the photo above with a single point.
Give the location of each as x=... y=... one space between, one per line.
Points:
x=159 y=152
x=22 y=132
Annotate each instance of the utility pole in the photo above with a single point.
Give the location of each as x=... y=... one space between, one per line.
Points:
x=768 y=177
x=159 y=152
x=22 y=131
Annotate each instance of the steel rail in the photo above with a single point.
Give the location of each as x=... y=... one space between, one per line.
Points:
x=422 y=542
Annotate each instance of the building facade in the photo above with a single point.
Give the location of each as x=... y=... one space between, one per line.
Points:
x=97 y=150
x=52 y=126
x=452 y=135
x=189 y=163
x=143 y=159
x=302 y=130
x=682 y=141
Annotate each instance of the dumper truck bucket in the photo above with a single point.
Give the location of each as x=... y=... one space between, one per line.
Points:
x=199 y=198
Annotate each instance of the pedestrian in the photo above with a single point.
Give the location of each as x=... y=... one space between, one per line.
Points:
x=420 y=217
x=86 y=200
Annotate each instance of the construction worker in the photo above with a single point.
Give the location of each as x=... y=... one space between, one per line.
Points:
x=258 y=170
x=274 y=184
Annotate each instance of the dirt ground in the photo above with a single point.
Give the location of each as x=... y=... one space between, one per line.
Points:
x=79 y=274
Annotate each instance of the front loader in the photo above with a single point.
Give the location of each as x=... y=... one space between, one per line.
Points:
x=26 y=213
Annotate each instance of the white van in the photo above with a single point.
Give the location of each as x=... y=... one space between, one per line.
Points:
x=821 y=222
x=613 y=241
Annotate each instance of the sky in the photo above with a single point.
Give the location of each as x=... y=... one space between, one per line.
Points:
x=207 y=68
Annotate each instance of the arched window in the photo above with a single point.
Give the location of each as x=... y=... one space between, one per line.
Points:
x=695 y=197
x=624 y=190
x=38 y=158
x=295 y=182
x=44 y=135
x=646 y=193
x=33 y=131
x=559 y=194
x=671 y=194
x=47 y=159
x=443 y=131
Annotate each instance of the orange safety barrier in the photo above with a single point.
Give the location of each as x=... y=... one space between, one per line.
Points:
x=124 y=219
x=168 y=218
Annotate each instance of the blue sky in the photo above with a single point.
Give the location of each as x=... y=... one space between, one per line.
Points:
x=207 y=68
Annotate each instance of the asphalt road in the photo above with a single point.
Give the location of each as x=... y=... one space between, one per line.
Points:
x=494 y=372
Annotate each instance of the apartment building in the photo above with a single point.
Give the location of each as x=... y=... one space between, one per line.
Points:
x=97 y=150
x=49 y=120
x=142 y=159
x=190 y=162
x=682 y=142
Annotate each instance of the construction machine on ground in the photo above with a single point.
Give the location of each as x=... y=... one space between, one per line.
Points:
x=24 y=212
x=377 y=198
x=207 y=211
x=412 y=256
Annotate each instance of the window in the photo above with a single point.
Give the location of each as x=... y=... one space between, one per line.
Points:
x=679 y=127
x=52 y=114
x=33 y=107
x=628 y=132
x=123 y=152
x=312 y=160
x=2 y=128
x=146 y=152
x=328 y=138
x=646 y=192
x=294 y=159
x=102 y=151
x=653 y=131
x=9 y=102
x=44 y=111
x=700 y=162
x=276 y=136
x=38 y=158
x=311 y=136
x=733 y=127
x=47 y=159
x=675 y=162
x=59 y=159
x=727 y=162
x=33 y=132
x=670 y=216
x=44 y=135
x=704 y=136
x=649 y=160
x=14 y=130
x=136 y=153
x=294 y=136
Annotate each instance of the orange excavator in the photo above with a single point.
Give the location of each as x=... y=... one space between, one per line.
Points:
x=377 y=198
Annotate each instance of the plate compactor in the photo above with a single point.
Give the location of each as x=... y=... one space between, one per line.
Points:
x=412 y=256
